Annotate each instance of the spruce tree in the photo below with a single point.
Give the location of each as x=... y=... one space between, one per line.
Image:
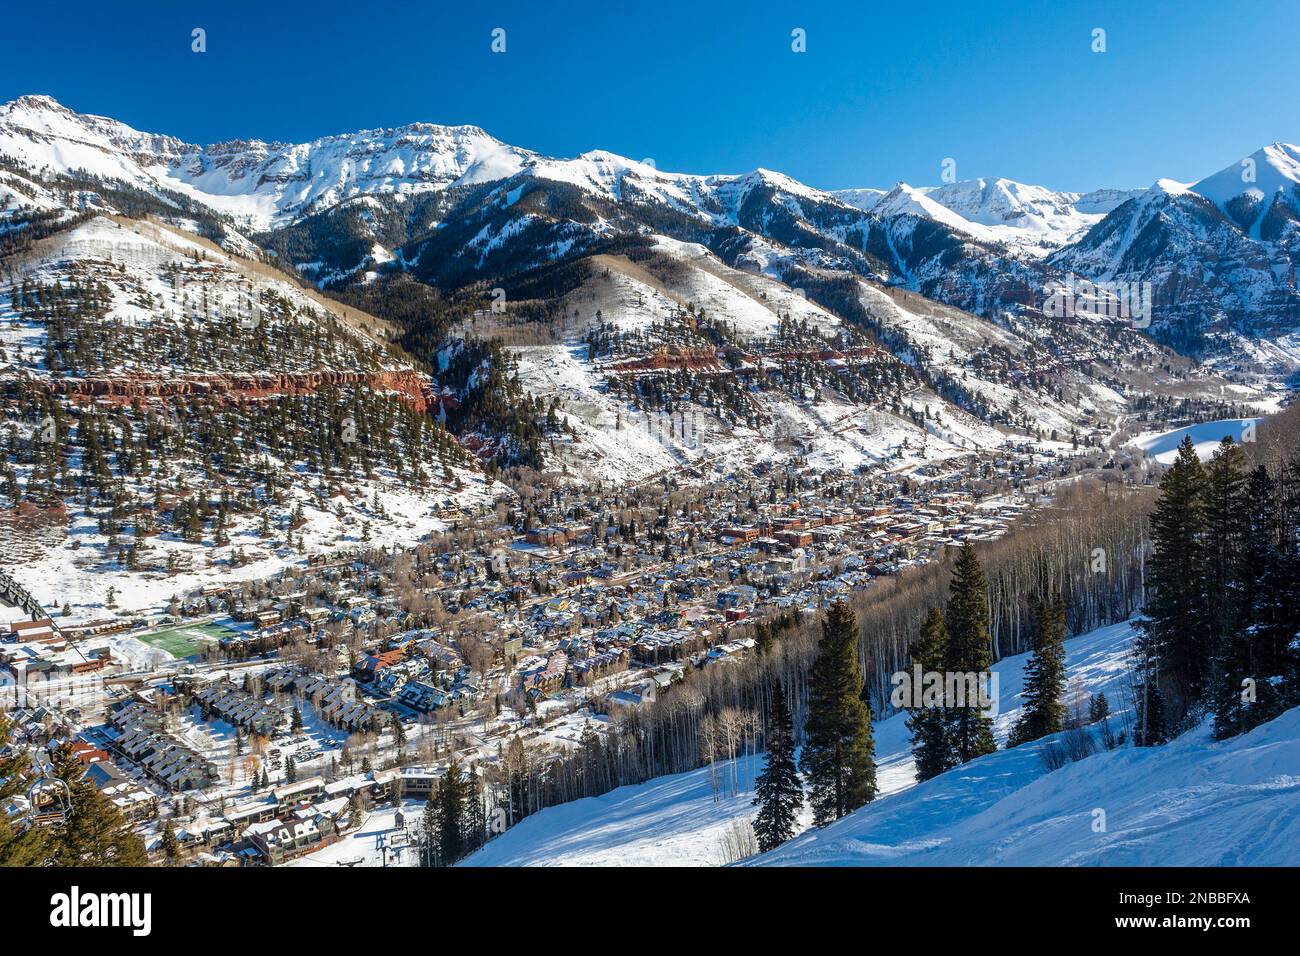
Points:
x=1174 y=649
x=1043 y=713
x=1251 y=654
x=837 y=758
x=778 y=791
x=171 y=846
x=20 y=845
x=1282 y=607
x=969 y=652
x=927 y=719
x=430 y=848
x=1225 y=532
x=95 y=832
x=451 y=815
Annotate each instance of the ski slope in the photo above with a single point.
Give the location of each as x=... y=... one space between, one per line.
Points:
x=675 y=821
x=1206 y=436
x=1193 y=802
x=669 y=821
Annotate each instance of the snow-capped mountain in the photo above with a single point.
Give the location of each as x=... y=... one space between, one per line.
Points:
x=1033 y=220
x=260 y=184
x=340 y=206
x=452 y=206
x=1220 y=255
x=1253 y=189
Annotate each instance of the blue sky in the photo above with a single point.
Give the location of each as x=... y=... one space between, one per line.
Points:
x=885 y=92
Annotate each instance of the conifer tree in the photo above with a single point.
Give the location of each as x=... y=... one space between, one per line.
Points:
x=927 y=719
x=430 y=848
x=838 y=754
x=968 y=652
x=474 y=815
x=1224 y=541
x=451 y=815
x=1174 y=651
x=19 y=845
x=778 y=790
x=171 y=846
x=1251 y=653
x=1043 y=713
x=95 y=832
x=1098 y=708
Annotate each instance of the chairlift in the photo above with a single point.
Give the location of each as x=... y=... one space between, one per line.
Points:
x=49 y=796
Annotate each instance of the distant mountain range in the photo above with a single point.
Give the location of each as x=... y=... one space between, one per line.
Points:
x=452 y=206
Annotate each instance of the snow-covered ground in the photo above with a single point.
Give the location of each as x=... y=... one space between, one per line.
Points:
x=155 y=277
x=1193 y=802
x=612 y=442
x=363 y=846
x=669 y=821
x=675 y=820
x=1206 y=436
x=1033 y=220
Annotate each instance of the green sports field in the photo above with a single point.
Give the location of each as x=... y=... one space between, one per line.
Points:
x=185 y=640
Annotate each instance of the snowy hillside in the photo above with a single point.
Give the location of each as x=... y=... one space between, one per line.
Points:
x=1193 y=802
x=1163 y=446
x=1219 y=255
x=675 y=820
x=256 y=182
x=451 y=206
x=1246 y=191
x=163 y=341
x=613 y=440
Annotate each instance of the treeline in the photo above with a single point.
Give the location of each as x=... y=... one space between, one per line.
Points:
x=1219 y=633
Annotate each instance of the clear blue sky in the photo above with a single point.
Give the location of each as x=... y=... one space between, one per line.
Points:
x=884 y=92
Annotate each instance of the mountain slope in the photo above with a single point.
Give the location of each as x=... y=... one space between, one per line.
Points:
x=175 y=414
x=261 y=184
x=676 y=821
x=1033 y=220
x=1193 y=802
x=1220 y=256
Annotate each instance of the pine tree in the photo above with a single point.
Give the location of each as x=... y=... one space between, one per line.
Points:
x=475 y=812
x=1173 y=650
x=932 y=745
x=430 y=850
x=1251 y=654
x=95 y=833
x=19 y=845
x=171 y=846
x=968 y=653
x=290 y=770
x=838 y=759
x=1098 y=708
x=1225 y=482
x=516 y=768
x=778 y=790
x=1282 y=605
x=451 y=815
x=1043 y=713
